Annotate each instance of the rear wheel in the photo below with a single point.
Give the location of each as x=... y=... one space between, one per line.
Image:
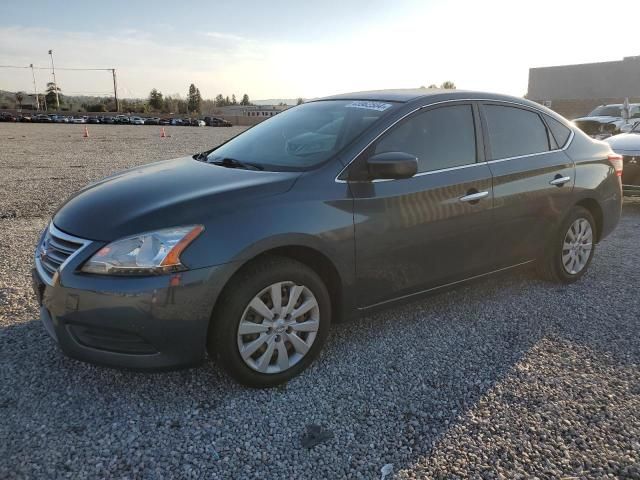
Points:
x=272 y=320
x=570 y=251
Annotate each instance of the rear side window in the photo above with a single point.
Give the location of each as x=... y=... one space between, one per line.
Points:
x=439 y=138
x=559 y=131
x=514 y=131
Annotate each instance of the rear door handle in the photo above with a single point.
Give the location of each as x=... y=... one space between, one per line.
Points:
x=474 y=197
x=559 y=181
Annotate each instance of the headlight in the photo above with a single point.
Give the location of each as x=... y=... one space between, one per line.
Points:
x=149 y=253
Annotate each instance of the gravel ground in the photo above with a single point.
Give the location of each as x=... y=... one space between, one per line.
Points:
x=509 y=377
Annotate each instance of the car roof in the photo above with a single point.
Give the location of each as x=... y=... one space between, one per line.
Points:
x=426 y=96
x=411 y=94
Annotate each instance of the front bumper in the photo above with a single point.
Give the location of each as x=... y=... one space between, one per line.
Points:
x=154 y=322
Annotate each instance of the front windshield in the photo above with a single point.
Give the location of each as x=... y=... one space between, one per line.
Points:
x=303 y=136
x=607 y=111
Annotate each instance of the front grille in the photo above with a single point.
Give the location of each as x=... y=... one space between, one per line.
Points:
x=55 y=248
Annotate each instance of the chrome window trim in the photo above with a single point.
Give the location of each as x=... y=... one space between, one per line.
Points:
x=539 y=110
x=66 y=237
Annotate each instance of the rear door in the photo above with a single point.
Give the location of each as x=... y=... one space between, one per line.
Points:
x=417 y=233
x=533 y=178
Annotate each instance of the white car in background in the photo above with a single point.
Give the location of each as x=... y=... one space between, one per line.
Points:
x=607 y=120
x=136 y=121
x=78 y=120
x=628 y=145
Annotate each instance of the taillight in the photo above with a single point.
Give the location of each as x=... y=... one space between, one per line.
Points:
x=616 y=162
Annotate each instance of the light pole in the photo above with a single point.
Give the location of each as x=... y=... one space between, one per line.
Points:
x=55 y=84
x=35 y=90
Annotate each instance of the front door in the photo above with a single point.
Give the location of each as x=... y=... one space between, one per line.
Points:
x=434 y=228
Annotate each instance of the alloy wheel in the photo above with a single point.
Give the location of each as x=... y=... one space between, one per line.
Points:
x=577 y=246
x=278 y=327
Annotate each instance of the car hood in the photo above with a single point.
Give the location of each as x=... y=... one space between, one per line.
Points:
x=625 y=142
x=164 y=194
x=598 y=119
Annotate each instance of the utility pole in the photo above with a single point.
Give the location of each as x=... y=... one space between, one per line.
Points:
x=35 y=90
x=115 y=89
x=55 y=84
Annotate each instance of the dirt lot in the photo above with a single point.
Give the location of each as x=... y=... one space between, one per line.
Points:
x=509 y=377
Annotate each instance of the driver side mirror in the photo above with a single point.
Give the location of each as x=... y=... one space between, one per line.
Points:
x=392 y=166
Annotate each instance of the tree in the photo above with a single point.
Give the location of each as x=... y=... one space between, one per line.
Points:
x=194 y=100
x=300 y=101
x=433 y=85
x=233 y=99
x=245 y=100
x=156 y=102
x=448 y=85
x=19 y=97
x=50 y=96
x=219 y=100
x=96 y=107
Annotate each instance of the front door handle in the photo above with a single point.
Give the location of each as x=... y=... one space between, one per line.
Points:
x=559 y=181
x=474 y=197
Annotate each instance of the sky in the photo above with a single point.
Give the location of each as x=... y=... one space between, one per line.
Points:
x=299 y=48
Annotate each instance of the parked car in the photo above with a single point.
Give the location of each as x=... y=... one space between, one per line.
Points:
x=136 y=121
x=628 y=146
x=607 y=120
x=24 y=118
x=200 y=123
x=216 y=122
x=107 y=120
x=94 y=120
x=152 y=121
x=176 y=121
x=7 y=117
x=165 y=121
x=78 y=120
x=122 y=119
x=43 y=118
x=335 y=207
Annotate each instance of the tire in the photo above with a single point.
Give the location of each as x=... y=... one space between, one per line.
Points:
x=553 y=266
x=245 y=296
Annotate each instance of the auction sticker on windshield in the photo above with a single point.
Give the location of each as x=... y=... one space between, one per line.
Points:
x=378 y=106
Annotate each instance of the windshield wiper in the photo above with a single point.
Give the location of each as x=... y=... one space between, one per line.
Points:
x=233 y=163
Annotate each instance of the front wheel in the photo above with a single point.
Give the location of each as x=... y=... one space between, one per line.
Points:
x=272 y=321
x=570 y=251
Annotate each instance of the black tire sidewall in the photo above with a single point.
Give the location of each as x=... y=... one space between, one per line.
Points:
x=240 y=291
x=576 y=213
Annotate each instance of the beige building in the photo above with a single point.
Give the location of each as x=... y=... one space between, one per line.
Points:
x=575 y=90
x=249 y=114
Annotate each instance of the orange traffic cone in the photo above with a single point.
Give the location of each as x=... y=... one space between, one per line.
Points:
x=162 y=134
x=86 y=132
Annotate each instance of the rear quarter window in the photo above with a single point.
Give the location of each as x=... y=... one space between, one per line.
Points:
x=558 y=130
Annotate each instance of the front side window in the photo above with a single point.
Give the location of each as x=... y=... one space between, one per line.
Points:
x=440 y=138
x=302 y=136
x=514 y=132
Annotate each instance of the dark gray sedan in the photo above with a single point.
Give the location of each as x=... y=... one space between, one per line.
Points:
x=328 y=210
